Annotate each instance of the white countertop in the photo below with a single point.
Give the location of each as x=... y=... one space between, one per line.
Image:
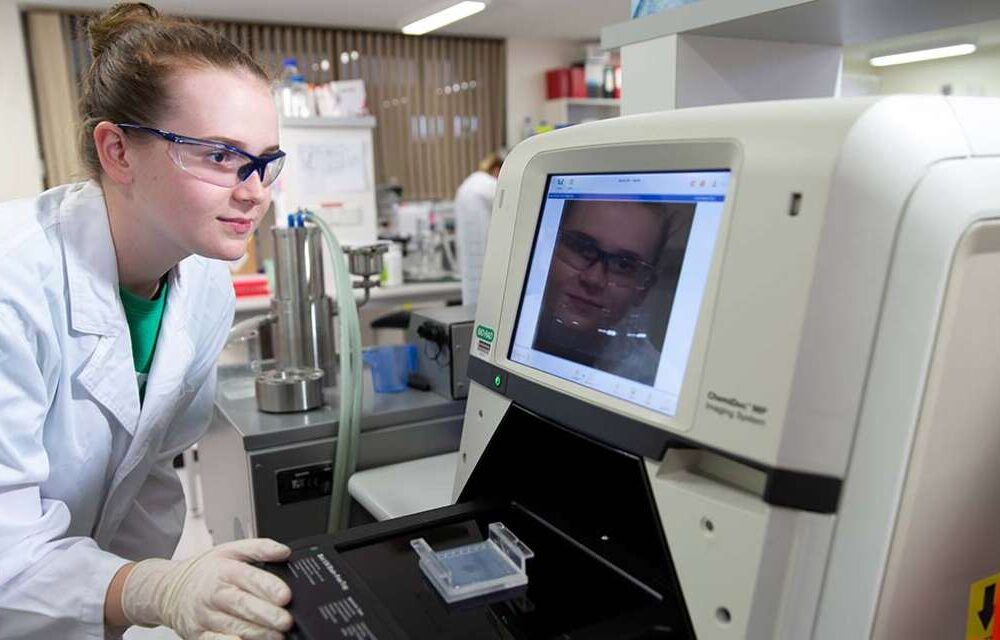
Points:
x=402 y=489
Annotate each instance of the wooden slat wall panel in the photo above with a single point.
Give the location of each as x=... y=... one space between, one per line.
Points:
x=425 y=126
x=392 y=96
x=427 y=139
x=383 y=98
x=434 y=106
x=439 y=114
x=433 y=109
x=479 y=77
x=410 y=77
x=468 y=104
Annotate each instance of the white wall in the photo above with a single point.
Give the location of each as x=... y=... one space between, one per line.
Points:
x=527 y=62
x=20 y=163
x=973 y=75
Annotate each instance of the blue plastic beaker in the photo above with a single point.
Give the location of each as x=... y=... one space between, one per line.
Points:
x=391 y=366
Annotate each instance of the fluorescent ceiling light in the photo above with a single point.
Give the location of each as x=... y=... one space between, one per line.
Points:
x=923 y=54
x=454 y=13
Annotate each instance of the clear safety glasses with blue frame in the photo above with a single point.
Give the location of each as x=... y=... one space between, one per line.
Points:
x=216 y=162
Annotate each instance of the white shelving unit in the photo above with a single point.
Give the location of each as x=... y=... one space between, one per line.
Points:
x=728 y=51
x=367 y=122
x=820 y=22
x=576 y=110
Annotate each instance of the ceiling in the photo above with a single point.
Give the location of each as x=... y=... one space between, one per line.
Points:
x=982 y=34
x=530 y=19
x=573 y=20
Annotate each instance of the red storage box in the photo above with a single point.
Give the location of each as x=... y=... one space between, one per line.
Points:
x=577 y=83
x=246 y=286
x=569 y=82
x=557 y=84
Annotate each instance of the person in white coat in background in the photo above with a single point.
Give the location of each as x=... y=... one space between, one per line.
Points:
x=473 y=207
x=114 y=306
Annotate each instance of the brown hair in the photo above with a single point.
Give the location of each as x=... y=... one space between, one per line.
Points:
x=135 y=50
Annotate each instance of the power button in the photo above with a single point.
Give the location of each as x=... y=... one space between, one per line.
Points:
x=499 y=381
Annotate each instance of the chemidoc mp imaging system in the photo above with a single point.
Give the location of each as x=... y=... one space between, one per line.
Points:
x=733 y=375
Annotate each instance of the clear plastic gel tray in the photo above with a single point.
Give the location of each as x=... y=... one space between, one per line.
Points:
x=476 y=569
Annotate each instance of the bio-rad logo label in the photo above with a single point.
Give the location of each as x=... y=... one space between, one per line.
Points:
x=484 y=340
x=333 y=572
x=736 y=409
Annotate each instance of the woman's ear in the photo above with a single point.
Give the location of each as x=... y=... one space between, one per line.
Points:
x=113 y=151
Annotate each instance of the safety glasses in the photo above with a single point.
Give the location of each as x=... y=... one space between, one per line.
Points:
x=580 y=251
x=216 y=162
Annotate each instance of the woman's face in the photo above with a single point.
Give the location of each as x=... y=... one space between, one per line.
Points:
x=190 y=216
x=584 y=299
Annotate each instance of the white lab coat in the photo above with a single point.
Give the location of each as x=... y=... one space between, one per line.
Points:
x=473 y=206
x=86 y=481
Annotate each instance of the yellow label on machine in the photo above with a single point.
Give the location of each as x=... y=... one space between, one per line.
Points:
x=982 y=601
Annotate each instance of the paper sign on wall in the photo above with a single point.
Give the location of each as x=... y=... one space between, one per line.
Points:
x=333 y=167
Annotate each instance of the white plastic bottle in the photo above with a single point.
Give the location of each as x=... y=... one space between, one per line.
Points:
x=301 y=98
x=283 y=87
x=294 y=100
x=392 y=266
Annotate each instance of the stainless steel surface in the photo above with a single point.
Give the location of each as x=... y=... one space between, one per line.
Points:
x=366 y=260
x=444 y=366
x=461 y=343
x=235 y=404
x=302 y=333
x=288 y=390
x=298 y=290
x=322 y=350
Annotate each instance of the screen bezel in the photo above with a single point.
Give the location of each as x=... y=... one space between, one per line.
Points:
x=534 y=246
x=665 y=157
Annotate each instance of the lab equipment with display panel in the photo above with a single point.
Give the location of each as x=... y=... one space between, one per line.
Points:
x=735 y=377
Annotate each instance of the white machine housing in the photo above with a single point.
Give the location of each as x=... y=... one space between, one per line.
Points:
x=854 y=294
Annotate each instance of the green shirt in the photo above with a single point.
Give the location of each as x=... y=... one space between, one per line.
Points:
x=143 y=318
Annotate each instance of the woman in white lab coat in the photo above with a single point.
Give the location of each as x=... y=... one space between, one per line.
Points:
x=473 y=206
x=114 y=306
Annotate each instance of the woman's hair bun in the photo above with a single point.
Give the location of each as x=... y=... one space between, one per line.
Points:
x=109 y=26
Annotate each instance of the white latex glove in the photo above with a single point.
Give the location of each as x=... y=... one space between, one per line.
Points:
x=212 y=596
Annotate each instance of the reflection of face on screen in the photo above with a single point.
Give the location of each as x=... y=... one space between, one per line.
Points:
x=609 y=259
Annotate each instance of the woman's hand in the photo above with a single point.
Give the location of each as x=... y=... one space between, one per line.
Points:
x=212 y=596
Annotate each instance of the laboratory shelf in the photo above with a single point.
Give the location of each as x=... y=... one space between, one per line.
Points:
x=829 y=22
x=588 y=102
x=356 y=122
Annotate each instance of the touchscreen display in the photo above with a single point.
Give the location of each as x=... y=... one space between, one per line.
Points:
x=616 y=279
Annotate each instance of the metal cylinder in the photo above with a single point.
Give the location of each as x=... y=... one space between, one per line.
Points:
x=289 y=390
x=304 y=351
x=298 y=273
